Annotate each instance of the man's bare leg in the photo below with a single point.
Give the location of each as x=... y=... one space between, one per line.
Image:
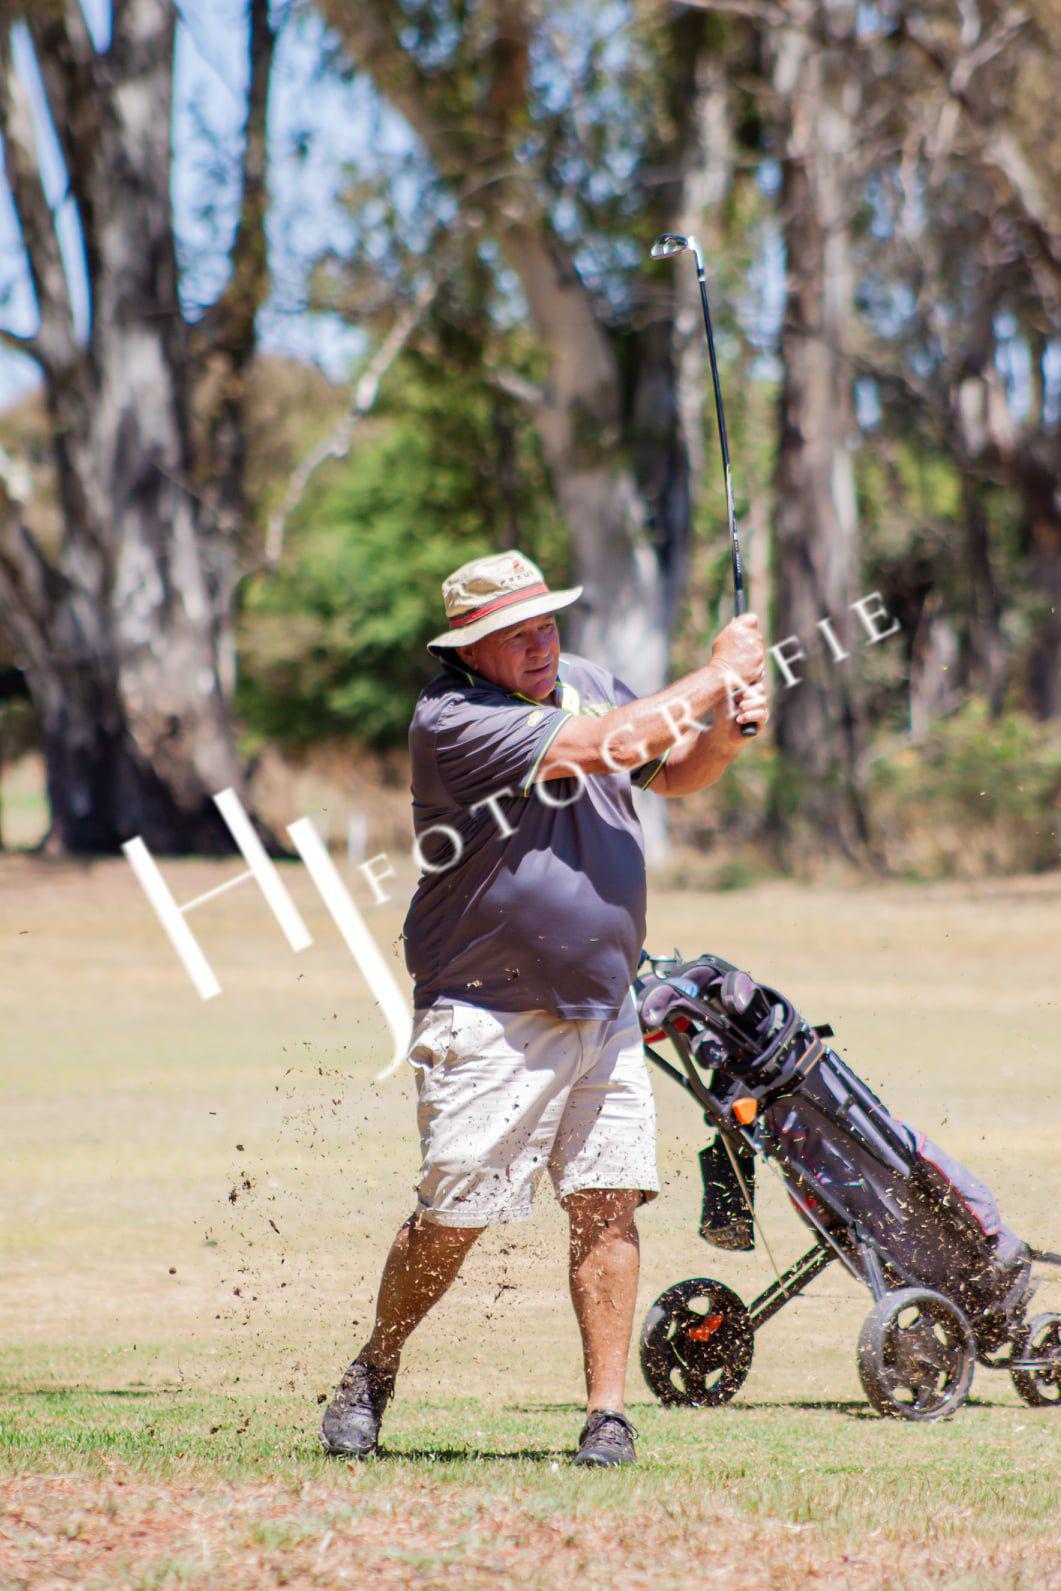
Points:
x=422 y=1264
x=423 y=1261
x=604 y=1261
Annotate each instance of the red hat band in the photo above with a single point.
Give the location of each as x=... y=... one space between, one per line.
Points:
x=502 y=602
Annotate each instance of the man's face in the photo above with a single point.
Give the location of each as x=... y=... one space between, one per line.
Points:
x=523 y=658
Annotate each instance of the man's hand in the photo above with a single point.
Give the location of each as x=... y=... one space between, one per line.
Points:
x=750 y=706
x=738 y=653
x=739 y=649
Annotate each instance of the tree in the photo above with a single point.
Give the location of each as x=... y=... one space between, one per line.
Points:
x=332 y=640
x=820 y=725
x=607 y=410
x=125 y=627
x=963 y=289
x=566 y=143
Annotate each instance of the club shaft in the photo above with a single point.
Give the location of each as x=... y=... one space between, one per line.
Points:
x=740 y=603
x=738 y=572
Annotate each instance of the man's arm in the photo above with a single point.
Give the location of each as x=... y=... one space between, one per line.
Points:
x=672 y=719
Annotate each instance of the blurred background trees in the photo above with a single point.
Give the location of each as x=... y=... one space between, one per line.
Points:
x=877 y=192
x=124 y=626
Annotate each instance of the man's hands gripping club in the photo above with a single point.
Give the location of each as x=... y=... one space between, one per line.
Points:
x=675 y=720
x=738 y=650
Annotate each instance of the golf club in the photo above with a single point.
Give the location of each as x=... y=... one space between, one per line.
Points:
x=666 y=244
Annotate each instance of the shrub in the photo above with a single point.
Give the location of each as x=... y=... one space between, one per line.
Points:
x=980 y=796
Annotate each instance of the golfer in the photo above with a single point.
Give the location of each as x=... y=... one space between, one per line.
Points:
x=522 y=937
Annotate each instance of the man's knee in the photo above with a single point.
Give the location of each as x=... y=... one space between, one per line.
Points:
x=599 y=1212
x=440 y=1235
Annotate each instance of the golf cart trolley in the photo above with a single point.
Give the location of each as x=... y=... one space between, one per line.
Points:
x=951 y=1284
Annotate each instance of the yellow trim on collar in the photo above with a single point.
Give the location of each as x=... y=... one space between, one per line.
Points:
x=525 y=787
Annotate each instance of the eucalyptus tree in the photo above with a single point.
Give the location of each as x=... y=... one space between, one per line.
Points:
x=565 y=138
x=969 y=278
x=818 y=135
x=124 y=625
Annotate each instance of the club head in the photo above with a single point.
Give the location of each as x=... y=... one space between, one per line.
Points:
x=669 y=243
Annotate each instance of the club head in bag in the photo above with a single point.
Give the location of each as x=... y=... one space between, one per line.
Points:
x=737 y=992
x=709 y=1051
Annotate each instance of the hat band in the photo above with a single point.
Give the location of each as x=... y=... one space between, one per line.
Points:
x=502 y=602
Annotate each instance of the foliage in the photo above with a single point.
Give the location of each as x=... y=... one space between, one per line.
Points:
x=575 y=123
x=981 y=795
x=333 y=643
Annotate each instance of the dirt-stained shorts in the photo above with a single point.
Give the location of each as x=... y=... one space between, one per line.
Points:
x=504 y=1095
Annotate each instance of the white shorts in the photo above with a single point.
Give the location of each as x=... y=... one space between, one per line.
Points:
x=503 y=1095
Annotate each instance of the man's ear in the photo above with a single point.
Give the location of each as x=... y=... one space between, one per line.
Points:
x=467 y=655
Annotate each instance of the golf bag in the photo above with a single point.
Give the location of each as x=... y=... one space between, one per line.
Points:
x=951 y=1281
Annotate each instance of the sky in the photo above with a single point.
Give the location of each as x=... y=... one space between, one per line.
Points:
x=322 y=122
x=318 y=122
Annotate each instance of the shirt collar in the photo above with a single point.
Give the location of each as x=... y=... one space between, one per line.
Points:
x=458 y=667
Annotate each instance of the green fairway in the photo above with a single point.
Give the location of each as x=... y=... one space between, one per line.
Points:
x=196 y=1201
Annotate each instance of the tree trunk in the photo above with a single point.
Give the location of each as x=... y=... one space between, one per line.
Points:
x=1044 y=664
x=629 y=526
x=934 y=658
x=129 y=661
x=1041 y=494
x=991 y=446
x=689 y=170
x=985 y=658
x=820 y=726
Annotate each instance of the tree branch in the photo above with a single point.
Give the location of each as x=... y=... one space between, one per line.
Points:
x=27 y=579
x=77 y=102
x=755 y=10
x=337 y=443
x=56 y=343
x=1004 y=154
x=513 y=385
x=229 y=324
x=29 y=346
x=583 y=366
x=371 y=31
x=998 y=149
x=223 y=342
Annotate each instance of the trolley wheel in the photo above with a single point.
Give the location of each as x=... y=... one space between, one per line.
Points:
x=916 y=1355
x=1040 y=1339
x=696 y=1344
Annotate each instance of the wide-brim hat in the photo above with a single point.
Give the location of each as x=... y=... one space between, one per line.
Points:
x=489 y=594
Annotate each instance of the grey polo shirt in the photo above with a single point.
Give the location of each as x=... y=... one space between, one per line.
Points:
x=533 y=895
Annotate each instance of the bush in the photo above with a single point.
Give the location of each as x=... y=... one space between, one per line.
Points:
x=332 y=643
x=980 y=796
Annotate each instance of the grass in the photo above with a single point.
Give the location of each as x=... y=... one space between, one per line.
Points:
x=196 y=1200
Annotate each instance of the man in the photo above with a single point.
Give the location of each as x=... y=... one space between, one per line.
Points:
x=522 y=938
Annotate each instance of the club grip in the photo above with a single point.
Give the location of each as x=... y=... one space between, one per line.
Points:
x=747 y=730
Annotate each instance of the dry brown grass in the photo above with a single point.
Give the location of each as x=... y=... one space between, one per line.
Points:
x=148 y=1407
x=102 y=1531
